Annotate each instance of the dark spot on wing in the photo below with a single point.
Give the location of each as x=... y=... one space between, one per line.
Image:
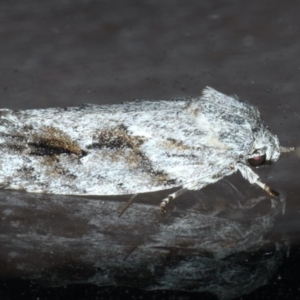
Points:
x=118 y=143
x=53 y=141
x=176 y=144
x=116 y=138
x=217 y=176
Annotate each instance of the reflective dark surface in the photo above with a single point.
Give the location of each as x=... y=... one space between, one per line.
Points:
x=220 y=241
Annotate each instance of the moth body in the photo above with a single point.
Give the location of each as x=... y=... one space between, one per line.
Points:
x=133 y=147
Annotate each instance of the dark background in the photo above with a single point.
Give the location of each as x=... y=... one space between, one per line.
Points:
x=65 y=53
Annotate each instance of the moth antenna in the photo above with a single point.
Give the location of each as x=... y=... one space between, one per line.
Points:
x=287 y=149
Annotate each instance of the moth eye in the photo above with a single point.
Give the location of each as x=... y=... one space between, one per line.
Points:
x=257 y=160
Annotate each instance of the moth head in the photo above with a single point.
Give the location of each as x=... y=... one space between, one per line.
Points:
x=265 y=150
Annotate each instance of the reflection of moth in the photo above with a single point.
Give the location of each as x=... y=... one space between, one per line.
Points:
x=134 y=147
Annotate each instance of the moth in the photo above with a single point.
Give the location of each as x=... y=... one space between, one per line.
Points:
x=134 y=147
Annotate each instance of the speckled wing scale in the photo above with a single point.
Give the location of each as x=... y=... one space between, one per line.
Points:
x=134 y=147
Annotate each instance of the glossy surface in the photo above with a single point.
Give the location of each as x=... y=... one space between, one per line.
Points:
x=65 y=54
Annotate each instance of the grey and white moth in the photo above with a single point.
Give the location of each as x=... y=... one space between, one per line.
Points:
x=134 y=147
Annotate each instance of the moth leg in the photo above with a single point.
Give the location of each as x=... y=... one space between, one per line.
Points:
x=252 y=177
x=273 y=194
x=126 y=205
x=267 y=189
x=171 y=197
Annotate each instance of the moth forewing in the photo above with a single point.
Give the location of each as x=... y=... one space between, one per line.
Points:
x=133 y=147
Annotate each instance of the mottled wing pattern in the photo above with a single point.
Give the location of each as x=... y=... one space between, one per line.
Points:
x=126 y=148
